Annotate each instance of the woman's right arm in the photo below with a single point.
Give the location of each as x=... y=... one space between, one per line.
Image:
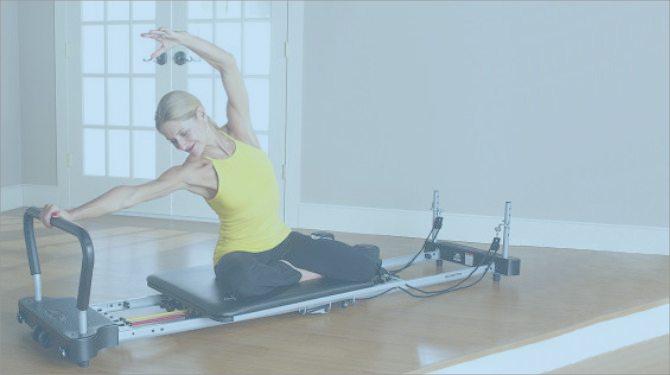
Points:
x=122 y=197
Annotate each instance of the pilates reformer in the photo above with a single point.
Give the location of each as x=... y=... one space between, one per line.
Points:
x=191 y=298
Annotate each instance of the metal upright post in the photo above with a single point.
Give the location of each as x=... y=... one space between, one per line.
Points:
x=37 y=286
x=435 y=207
x=436 y=204
x=508 y=209
x=505 y=240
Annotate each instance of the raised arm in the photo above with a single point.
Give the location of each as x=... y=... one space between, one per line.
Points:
x=239 y=118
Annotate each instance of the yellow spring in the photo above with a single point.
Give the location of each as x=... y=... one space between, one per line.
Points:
x=155 y=315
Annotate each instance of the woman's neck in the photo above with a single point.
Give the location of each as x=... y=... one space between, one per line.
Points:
x=220 y=146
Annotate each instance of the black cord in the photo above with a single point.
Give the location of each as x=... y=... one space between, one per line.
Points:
x=395 y=272
x=437 y=224
x=428 y=294
x=406 y=266
x=495 y=246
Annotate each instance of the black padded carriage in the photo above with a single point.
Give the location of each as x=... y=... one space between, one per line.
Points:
x=196 y=288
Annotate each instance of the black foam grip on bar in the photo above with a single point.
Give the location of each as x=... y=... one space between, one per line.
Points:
x=29 y=235
x=88 y=255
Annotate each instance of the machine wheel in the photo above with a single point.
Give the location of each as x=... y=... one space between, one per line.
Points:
x=19 y=317
x=35 y=332
x=43 y=339
x=41 y=336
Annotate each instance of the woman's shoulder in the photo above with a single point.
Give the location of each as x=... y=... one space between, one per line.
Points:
x=225 y=129
x=195 y=162
x=240 y=135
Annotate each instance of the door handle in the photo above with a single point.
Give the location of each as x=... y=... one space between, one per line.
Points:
x=160 y=60
x=180 y=58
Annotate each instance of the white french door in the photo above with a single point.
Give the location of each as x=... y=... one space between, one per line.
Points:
x=113 y=90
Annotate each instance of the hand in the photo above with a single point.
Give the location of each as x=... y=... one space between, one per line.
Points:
x=166 y=37
x=51 y=210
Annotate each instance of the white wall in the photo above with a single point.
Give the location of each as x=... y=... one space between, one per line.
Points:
x=28 y=156
x=559 y=107
x=38 y=91
x=10 y=102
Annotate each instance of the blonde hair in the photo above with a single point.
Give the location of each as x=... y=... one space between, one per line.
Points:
x=176 y=105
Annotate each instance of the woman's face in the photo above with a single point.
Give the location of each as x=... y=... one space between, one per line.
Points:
x=187 y=135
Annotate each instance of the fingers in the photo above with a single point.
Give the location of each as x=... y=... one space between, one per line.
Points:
x=161 y=35
x=48 y=211
x=154 y=34
x=157 y=36
x=158 y=52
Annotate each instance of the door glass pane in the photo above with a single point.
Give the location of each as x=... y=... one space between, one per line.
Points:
x=93 y=56
x=259 y=96
x=228 y=36
x=144 y=10
x=257 y=9
x=263 y=141
x=144 y=101
x=202 y=89
x=93 y=95
x=204 y=31
x=119 y=153
x=94 y=152
x=118 y=54
x=92 y=11
x=228 y=9
x=118 y=90
x=200 y=10
x=118 y=10
x=144 y=154
x=256 y=48
x=220 y=104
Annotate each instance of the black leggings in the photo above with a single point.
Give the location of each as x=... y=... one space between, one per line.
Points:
x=246 y=274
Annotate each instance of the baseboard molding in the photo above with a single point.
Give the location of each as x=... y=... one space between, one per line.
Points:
x=17 y=196
x=480 y=229
x=407 y=223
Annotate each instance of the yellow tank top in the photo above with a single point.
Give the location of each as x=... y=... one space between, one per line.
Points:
x=247 y=202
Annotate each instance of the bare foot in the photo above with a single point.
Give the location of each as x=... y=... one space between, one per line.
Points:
x=305 y=275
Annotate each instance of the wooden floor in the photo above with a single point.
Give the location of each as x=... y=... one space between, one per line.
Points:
x=558 y=289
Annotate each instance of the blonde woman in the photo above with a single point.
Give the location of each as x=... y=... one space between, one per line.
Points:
x=256 y=251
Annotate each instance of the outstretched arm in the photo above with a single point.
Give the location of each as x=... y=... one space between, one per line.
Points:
x=239 y=118
x=121 y=197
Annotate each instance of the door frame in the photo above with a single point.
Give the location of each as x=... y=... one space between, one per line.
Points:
x=294 y=73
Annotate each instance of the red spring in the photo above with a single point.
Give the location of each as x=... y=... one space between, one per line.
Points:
x=156 y=320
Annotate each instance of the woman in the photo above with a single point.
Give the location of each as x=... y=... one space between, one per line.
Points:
x=256 y=251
